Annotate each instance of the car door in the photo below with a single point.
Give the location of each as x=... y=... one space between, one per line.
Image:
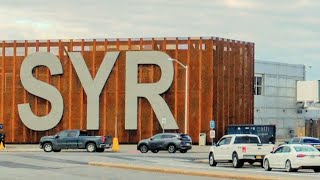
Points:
x=156 y=141
x=61 y=140
x=274 y=158
x=72 y=140
x=221 y=152
x=283 y=156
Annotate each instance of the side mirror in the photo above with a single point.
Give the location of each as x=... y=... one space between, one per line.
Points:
x=151 y=139
x=57 y=136
x=217 y=145
x=286 y=142
x=271 y=152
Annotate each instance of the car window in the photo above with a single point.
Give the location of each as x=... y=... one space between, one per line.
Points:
x=64 y=134
x=168 y=136
x=279 y=150
x=311 y=141
x=305 y=149
x=225 y=141
x=83 y=133
x=295 y=140
x=72 y=134
x=246 y=140
x=157 y=137
x=286 y=149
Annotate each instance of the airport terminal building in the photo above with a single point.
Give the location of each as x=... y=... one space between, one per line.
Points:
x=131 y=88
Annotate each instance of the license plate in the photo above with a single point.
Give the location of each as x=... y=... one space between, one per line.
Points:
x=258 y=157
x=188 y=144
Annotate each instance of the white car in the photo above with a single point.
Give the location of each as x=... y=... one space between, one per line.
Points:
x=292 y=157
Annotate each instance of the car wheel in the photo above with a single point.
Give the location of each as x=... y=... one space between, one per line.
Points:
x=155 y=151
x=236 y=162
x=47 y=147
x=316 y=170
x=171 y=148
x=91 y=147
x=266 y=165
x=100 y=149
x=183 y=150
x=212 y=162
x=57 y=150
x=289 y=168
x=143 y=148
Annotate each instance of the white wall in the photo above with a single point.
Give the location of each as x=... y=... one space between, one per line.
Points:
x=277 y=104
x=308 y=91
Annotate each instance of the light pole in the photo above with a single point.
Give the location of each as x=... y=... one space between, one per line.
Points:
x=186 y=95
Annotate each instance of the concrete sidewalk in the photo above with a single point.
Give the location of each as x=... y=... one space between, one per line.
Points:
x=123 y=148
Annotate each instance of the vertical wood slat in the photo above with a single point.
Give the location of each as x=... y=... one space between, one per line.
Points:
x=13 y=95
x=117 y=91
x=188 y=97
x=176 y=81
x=82 y=93
x=105 y=96
x=200 y=84
x=70 y=48
x=24 y=131
x=3 y=78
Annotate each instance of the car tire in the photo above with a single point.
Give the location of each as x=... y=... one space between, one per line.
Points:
x=91 y=147
x=143 y=148
x=100 y=150
x=266 y=165
x=155 y=151
x=316 y=170
x=212 y=162
x=172 y=148
x=57 y=150
x=289 y=168
x=47 y=147
x=236 y=162
x=183 y=150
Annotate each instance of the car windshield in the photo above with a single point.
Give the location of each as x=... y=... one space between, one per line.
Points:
x=305 y=149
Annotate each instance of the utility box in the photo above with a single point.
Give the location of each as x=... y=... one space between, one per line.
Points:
x=202 y=139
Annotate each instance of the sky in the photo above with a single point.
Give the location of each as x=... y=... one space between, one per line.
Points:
x=283 y=31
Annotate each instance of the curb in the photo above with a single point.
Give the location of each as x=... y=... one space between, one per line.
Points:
x=217 y=174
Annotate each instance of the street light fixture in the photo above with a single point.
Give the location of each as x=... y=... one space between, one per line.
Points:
x=186 y=95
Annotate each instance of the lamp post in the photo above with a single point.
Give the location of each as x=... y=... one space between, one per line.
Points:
x=186 y=95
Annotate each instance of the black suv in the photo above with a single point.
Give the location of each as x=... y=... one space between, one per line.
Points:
x=166 y=141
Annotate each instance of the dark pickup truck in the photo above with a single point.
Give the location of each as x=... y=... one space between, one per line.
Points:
x=75 y=139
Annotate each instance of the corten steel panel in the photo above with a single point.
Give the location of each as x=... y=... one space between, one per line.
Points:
x=220 y=78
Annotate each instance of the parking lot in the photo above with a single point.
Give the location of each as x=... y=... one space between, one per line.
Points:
x=17 y=163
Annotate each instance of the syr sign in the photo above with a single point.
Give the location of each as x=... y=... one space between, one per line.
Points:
x=93 y=87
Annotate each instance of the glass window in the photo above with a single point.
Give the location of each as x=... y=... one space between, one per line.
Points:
x=258 y=85
x=246 y=140
x=311 y=141
x=305 y=149
x=295 y=140
x=286 y=149
x=279 y=150
x=225 y=141
x=63 y=134
x=158 y=136
x=72 y=134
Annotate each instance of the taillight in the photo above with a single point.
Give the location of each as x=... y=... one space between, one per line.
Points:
x=301 y=155
x=103 y=139
x=244 y=149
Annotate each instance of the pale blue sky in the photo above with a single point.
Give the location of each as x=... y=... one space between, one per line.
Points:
x=284 y=31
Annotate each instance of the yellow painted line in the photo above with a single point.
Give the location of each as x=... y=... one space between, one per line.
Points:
x=213 y=173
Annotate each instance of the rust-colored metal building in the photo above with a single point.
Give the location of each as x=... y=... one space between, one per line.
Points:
x=220 y=77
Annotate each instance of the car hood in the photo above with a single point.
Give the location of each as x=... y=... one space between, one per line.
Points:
x=47 y=137
x=144 y=140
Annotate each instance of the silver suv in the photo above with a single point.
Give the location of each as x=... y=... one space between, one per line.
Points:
x=166 y=141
